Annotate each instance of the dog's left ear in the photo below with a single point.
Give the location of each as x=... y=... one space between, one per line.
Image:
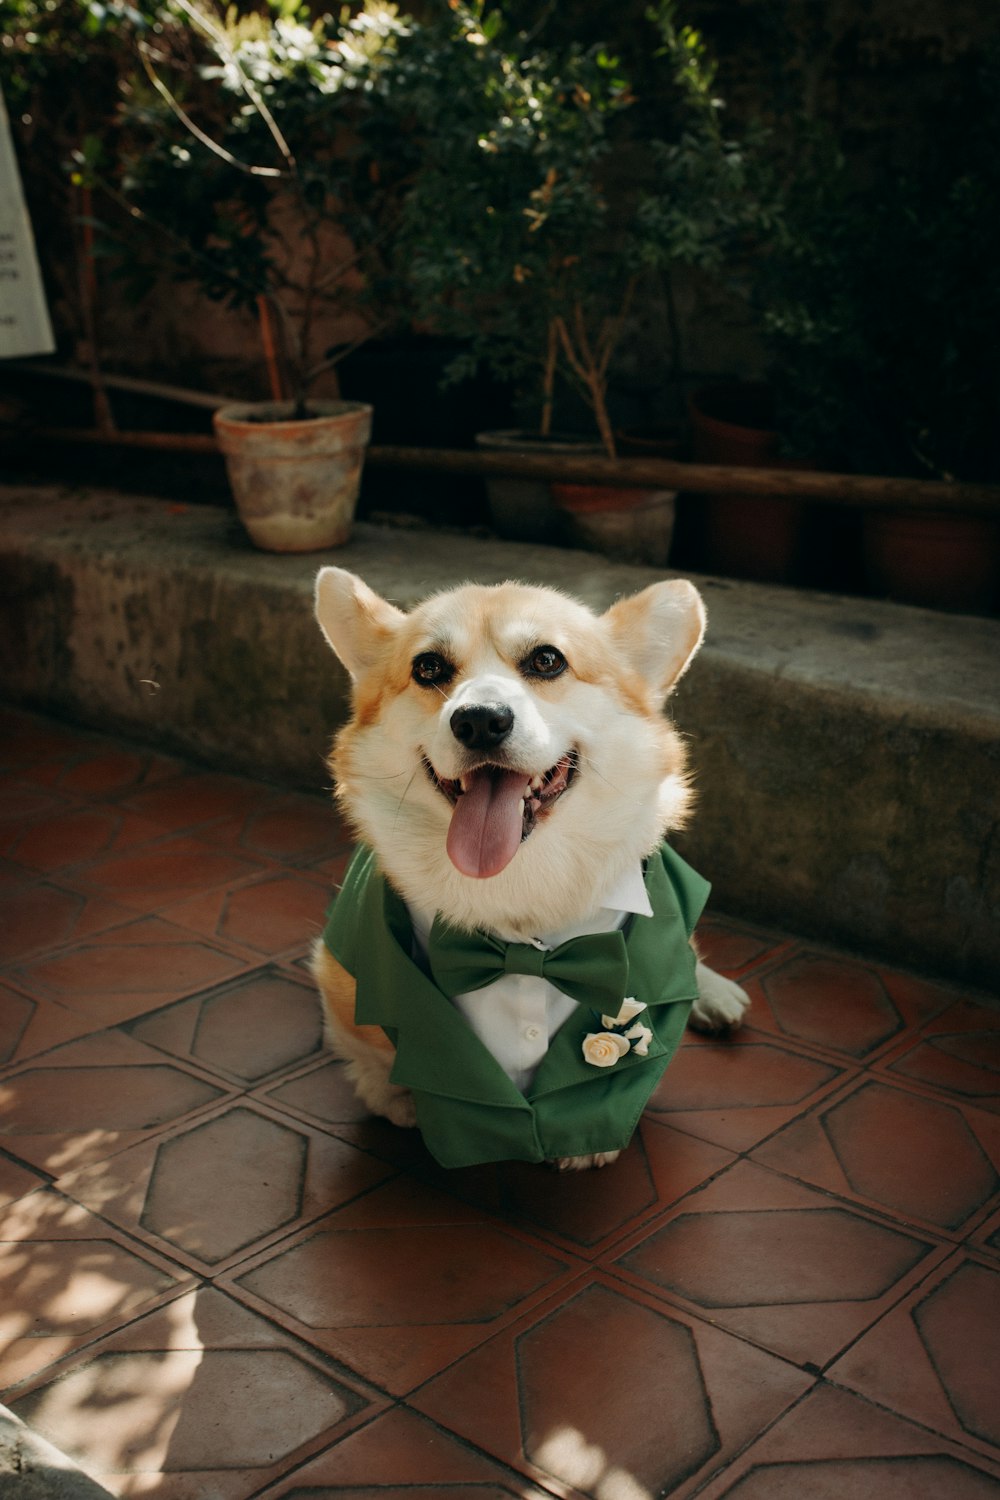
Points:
x=659 y=631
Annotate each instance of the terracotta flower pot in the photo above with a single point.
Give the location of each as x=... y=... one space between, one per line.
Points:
x=522 y=509
x=649 y=442
x=934 y=558
x=295 y=482
x=733 y=424
x=630 y=525
x=743 y=536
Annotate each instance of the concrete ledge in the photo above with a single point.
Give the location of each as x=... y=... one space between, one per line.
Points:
x=847 y=751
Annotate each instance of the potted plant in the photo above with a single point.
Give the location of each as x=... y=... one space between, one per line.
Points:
x=879 y=297
x=523 y=237
x=260 y=159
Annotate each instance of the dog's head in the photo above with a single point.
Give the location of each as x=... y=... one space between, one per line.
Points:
x=507 y=753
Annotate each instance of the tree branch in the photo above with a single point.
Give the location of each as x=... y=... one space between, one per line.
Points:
x=221 y=40
x=196 y=131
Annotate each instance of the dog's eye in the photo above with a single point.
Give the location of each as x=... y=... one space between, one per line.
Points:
x=546 y=661
x=431 y=670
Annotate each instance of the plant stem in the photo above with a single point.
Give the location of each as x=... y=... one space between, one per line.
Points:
x=196 y=131
x=221 y=41
x=581 y=361
x=308 y=291
x=270 y=351
x=371 y=332
x=549 y=378
x=87 y=280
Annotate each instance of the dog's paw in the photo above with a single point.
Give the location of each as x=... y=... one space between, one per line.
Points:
x=369 y=1073
x=400 y=1110
x=721 y=1003
x=584 y=1163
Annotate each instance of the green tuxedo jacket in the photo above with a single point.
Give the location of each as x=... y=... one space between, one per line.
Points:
x=468 y=1110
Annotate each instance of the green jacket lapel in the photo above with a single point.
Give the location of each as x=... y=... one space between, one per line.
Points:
x=565 y=1065
x=436 y=1051
x=661 y=973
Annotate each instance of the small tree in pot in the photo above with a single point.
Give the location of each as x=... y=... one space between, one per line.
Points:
x=522 y=232
x=261 y=160
x=534 y=220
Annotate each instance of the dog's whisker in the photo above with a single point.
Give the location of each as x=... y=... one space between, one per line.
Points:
x=390 y=776
x=399 y=805
x=586 y=760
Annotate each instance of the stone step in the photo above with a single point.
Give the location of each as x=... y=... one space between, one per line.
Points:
x=846 y=751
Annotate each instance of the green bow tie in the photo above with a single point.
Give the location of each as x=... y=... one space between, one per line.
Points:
x=592 y=970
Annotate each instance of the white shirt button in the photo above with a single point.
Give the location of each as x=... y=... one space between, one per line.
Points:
x=532 y=1033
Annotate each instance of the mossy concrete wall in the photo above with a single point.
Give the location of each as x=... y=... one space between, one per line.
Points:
x=847 y=752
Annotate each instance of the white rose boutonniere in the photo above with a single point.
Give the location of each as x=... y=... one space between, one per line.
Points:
x=630 y=1008
x=640 y=1036
x=602 y=1049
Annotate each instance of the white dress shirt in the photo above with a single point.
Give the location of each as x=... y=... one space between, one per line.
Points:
x=517 y=1015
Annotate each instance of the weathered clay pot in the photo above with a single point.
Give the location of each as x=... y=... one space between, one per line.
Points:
x=295 y=482
x=630 y=525
x=522 y=509
x=744 y=536
x=733 y=424
x=649 y=442
x=934 y=558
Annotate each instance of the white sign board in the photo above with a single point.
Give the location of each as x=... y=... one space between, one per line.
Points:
x=24 y=317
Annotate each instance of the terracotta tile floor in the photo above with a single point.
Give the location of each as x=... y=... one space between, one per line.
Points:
x=222 y=1280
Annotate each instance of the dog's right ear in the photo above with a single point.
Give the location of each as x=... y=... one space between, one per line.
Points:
x=356 y=621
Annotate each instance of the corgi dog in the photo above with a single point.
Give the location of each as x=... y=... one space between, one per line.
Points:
x=513 y=778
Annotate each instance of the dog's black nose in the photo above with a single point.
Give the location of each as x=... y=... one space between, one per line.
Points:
x=482 y=726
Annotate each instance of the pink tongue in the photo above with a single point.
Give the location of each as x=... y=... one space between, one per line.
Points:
x=486 y=825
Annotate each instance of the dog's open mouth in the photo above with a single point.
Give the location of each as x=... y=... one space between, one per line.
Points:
x=495 y=809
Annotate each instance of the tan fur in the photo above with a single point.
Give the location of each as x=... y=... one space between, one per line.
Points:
x=630 y=791
x=337 y=988
x=366 y=1050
